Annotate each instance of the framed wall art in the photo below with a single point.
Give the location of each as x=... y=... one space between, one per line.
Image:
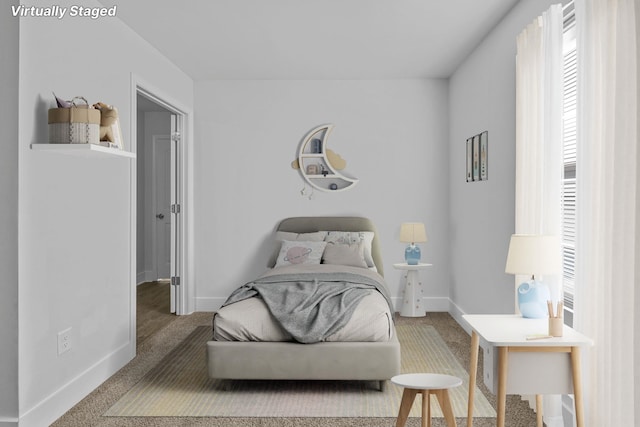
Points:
x=477 y=155
x=484 y=156
x=469 y=159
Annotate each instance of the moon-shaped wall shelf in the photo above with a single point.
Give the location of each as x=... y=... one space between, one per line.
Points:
x=319 y=166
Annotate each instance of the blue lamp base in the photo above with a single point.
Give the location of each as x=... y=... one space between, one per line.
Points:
x=412 y=254
x=532 y=299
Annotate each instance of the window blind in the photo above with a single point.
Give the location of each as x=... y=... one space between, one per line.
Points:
x=569 y=160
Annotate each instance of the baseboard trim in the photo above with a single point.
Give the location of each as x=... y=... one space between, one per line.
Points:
x=209 y=303
x=145 y=276
x=56 y=404
x=456 y=312
x=437 y=304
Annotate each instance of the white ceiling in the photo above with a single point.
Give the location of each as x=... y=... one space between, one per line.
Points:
x=313 y=39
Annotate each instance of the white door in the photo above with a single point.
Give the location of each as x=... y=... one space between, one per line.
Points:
x=166 y=196
x=162 y=205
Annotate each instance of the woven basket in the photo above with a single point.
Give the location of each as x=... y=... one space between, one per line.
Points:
x=76 y=125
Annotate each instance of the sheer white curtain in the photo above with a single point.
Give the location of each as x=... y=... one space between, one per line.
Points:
x=607 y=177
x=539 y=78
x=539 y=128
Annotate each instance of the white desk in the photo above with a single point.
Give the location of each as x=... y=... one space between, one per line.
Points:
x=412 y=302
x=508 y=333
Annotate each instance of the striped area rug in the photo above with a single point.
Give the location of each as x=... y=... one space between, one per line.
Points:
x=179 y=386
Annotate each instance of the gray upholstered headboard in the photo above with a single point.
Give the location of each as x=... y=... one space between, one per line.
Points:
x=309 y=224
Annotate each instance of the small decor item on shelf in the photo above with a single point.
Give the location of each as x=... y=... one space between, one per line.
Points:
x=316 y=146
x=412 y=233
x=109 y=125
x=61 y=102
x=312 y=169
x=333 y=186
x=556 y=322
x=76 y=124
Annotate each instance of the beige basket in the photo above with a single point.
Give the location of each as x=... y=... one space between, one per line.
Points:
x=76 y=125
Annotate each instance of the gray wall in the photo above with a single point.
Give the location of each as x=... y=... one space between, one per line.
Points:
x=77 y=215
x=393 y=134
x=482 y=97
x=9 y=59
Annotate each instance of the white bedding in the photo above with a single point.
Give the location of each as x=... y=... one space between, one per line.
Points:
x=250 y=320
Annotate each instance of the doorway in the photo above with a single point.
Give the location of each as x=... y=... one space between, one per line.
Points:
x=158 y=204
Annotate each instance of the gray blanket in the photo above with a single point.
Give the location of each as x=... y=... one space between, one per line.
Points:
x=312 y=302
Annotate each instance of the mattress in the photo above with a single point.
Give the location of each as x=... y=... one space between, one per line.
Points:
x=250 y=320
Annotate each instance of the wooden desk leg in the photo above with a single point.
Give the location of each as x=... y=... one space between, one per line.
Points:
x=445 y=405
x=503 y=360
x=577 y=385
x=539 y=410
x=426 y=408
x=408 y=396
x=473 y=371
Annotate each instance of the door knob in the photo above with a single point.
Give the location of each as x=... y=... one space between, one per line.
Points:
x=160 y=216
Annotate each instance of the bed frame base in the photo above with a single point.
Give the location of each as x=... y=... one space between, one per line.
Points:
x=367 y=361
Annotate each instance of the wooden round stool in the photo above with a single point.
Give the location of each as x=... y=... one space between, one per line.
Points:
x=427 y=384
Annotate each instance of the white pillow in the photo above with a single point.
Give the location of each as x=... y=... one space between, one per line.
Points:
x=339 y=254
x=351 y=237
x=296 y=253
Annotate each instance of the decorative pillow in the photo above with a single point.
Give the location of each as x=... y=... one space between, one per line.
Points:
x=351 y=237
x=337 y=253
x=300 y=253
x=317 y=236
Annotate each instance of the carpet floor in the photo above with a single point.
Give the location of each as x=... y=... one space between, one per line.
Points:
x=151 y=353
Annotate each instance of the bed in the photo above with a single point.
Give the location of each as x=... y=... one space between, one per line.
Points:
x=248 y=343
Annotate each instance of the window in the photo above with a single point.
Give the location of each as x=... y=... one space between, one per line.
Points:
x=569 y=160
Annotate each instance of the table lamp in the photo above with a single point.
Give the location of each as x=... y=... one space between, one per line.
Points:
x=412 y=233
x=533 y=255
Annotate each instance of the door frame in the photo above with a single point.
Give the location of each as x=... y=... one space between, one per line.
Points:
x=140 y=86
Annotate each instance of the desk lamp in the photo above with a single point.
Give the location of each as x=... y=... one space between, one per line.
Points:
x=533 y=255
x=412 y=233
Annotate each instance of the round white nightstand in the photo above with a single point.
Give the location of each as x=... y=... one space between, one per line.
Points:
x=426 y=384
x=412 y=299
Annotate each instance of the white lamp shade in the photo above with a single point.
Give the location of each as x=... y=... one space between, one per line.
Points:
x=413 y=232
x=533 y=254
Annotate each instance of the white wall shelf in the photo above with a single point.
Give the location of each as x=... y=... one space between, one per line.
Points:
x=83 y=150
x=333 y=179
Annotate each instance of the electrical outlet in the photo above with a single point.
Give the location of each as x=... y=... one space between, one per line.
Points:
x=64 y=341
